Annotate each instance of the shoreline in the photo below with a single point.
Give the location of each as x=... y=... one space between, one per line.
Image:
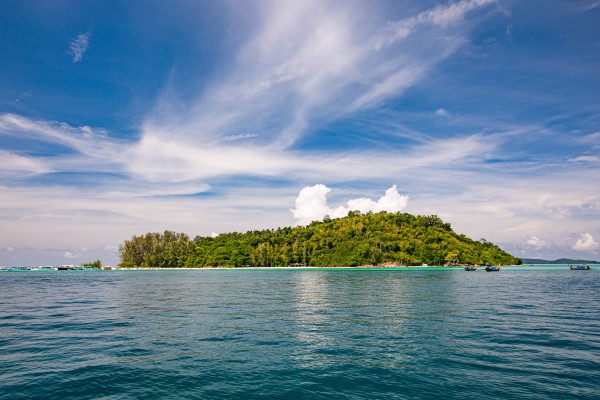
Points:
x=308 y=268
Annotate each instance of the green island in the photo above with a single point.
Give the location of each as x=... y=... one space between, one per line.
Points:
x=381 y=239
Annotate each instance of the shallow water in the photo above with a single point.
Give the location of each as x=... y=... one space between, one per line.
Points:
x=518 y=333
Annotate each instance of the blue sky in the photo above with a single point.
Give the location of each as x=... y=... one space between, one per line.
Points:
x=119 y=118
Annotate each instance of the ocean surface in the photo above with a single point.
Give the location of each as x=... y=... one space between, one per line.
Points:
x=521 y=333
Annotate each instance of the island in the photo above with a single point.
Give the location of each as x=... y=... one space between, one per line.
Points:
x=378 y=239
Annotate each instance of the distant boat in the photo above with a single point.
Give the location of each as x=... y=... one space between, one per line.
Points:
x=579 y=267
x=492 y=268
x=470 y=268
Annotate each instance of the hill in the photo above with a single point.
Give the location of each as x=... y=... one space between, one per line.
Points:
x=559 y=261
x=402 y=239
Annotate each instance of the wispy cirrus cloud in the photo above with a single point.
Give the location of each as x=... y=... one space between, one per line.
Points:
x=15 y=165
x=155 y=159
x=93 y=143
x=585 y=159
x=79 y=45
x=306 y=63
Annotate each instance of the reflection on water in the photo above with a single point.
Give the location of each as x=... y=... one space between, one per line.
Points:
x=300 y=334
x=313 y=309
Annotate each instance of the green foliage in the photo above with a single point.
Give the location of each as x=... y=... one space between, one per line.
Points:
x=351 y=241
x=93 y=264
x=169 y=250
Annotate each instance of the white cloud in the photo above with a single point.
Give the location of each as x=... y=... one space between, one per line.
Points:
x=95 y=144
x=585 y=242
x=233 y=138
x=13 y=165
x=79 y=45
x=8 y=248
x=441 y=15
x=157 y=159
x=442 y=112
x=311 y=204
x=304 y=63
x=585 y=159
x=536 y=242
x=589 y=6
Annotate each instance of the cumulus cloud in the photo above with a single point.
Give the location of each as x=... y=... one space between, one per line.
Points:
x=585 y=242
x=79 y=45
x=536 y=242
x=311 y=204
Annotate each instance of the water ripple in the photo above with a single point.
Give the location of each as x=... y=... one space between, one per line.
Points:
x=300 y=334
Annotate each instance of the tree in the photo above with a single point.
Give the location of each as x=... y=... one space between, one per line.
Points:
x=93 y=264
x=169 y=249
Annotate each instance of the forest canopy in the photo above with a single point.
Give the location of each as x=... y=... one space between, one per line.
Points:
x=370 y=239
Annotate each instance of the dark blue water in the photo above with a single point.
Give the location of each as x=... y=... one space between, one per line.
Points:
x=279 y=334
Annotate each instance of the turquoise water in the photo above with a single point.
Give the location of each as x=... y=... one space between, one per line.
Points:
x=305 y=334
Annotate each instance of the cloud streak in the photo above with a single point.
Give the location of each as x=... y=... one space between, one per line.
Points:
x=311 y=62
x=79 y=45
x=15 y=165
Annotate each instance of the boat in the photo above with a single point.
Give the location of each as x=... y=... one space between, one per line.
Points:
x=492 y=268
x=579 y=267
x=470 y=268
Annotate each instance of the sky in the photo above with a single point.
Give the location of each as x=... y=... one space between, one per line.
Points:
x=119 y=118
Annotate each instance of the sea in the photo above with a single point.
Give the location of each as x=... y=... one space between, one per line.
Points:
x=428 y=333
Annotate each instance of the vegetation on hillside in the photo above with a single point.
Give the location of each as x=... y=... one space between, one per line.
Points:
x=351 y=241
